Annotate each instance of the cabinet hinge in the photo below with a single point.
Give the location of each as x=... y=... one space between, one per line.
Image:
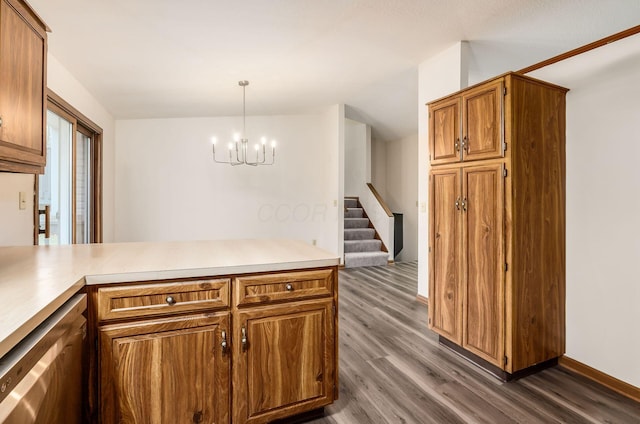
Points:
x=504 y=146
x=506 y=267
x=505 y=360
x=504 y=172
x=504 y=91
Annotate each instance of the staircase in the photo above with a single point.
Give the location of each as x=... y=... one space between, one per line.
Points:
x=361 y=247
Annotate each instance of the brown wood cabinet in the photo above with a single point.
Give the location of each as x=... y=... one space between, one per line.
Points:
x=497 y=223
x=165 y=371
x=467 y=126
x=23 y=56
x=168 y=351
x=284 y=363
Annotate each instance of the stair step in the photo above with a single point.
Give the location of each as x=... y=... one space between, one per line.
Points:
x=356 y=222
x=356 y=259
x=362 y=246
x=359 y=233
x=350 y=203
x=354 y=213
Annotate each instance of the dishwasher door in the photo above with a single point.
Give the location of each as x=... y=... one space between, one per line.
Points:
x=41 y=378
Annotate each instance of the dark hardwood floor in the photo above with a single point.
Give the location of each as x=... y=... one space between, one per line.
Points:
x=392 y=369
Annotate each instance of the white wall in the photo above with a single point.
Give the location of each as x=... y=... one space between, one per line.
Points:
x=168 y=188
x=438 y=76
x=63 y=83
x=16 y=225
x=401 y=194
x=379 y=166
x=603 y=206
x=357 y=158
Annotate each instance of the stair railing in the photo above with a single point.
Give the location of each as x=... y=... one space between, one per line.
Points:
x=380 y=216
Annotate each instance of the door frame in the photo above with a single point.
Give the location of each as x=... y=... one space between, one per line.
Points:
x=82 y=124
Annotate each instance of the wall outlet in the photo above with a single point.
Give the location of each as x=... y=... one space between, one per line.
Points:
x=22 y=200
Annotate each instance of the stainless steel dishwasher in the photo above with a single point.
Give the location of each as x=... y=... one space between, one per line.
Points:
x=41 y=378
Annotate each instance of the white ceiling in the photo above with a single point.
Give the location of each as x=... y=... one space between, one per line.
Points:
x=168 y=58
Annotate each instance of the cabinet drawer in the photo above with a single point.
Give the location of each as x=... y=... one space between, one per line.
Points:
x=269 y=288
x=162 y=298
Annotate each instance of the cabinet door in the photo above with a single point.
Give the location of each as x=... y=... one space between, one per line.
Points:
x=168 y=371
x=445 y=299
x=444 y=131
x=22 y=82
x=482 y=122
x=483 y=192
x=286 y=364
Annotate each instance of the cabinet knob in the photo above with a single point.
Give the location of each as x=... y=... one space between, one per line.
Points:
x=458 y=203
x=224 y=341
x=244 y=339
x=289 y=287
x=170 y=300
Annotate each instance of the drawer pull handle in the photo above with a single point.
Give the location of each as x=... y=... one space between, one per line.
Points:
x=170 y=300
x=244 y=339
x=224 y=341
x=289 y=287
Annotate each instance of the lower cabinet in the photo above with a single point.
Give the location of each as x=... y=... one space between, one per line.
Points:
x=182 y=352
x=165 y=371
x=283 y=361
x=467 y=258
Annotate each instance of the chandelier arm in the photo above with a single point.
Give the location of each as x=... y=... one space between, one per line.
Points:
x=241 y=151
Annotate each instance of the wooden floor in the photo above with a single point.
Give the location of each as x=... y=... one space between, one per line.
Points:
x=392 y=369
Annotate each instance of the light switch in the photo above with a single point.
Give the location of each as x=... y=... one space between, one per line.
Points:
x=22 y=203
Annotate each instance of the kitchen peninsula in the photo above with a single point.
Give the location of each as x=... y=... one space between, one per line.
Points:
x=255 y=319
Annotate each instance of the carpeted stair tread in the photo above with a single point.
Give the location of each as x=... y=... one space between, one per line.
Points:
x=359 y=233
x=354 y=213
x=362 y=246
x=357 y=259
x=356 y=222
x=350 y=203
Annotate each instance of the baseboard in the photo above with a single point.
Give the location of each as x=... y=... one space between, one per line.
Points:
x=420 y=298
x=625 y=389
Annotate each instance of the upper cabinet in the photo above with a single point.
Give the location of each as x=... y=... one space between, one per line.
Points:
x=468 y=126
x=23 y=54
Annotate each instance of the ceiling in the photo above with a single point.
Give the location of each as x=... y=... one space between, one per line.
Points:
x=167 y=58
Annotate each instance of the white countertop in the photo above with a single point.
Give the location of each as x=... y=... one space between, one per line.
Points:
x=37 y=280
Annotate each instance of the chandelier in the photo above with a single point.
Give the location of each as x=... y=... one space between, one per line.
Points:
x=239 y=148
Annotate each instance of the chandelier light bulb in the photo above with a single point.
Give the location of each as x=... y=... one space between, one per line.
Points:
x=256 y=147
x=230 y=146
x=236 y=137
x=214 y=140
x=263 y=140
x=273 y=144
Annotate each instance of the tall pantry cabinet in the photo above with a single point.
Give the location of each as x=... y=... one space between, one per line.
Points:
x=497 y=223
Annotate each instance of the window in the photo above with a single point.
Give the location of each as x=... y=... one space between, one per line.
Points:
x=69 y=201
